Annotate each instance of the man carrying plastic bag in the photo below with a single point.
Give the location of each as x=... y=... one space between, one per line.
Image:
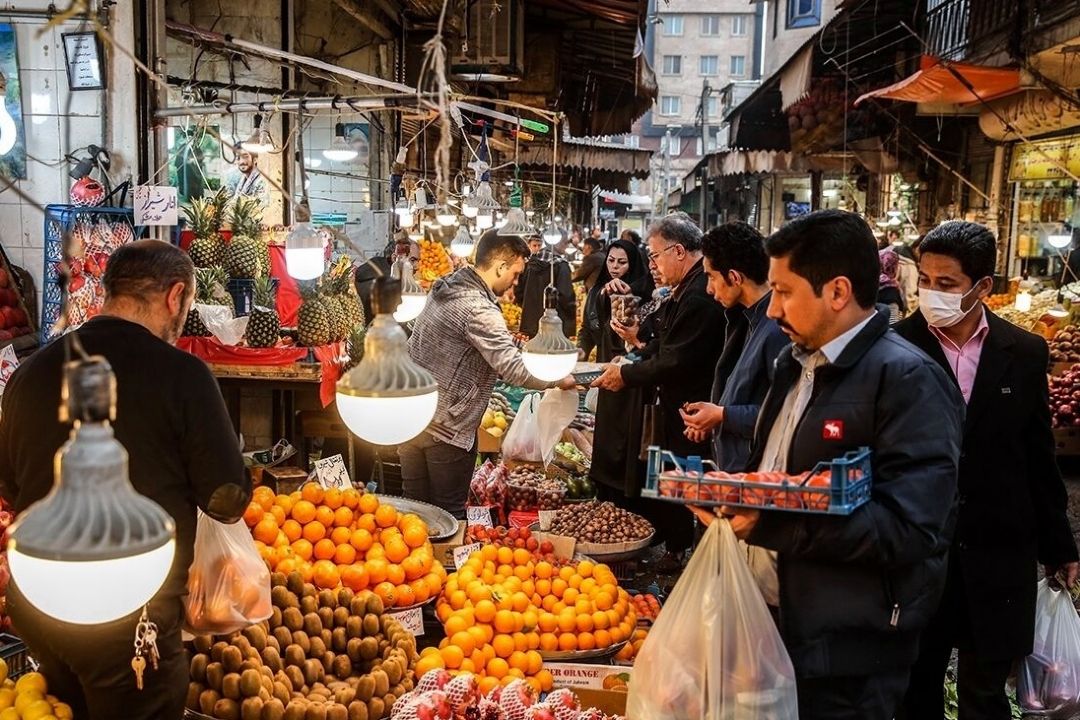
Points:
x=854 y=591
x=714 y=653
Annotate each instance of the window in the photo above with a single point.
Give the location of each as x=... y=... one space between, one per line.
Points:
x=632 y=141
x=672 y=24
x=697 y=147
x=738 y=65
x=712 y=145
x=738 y=25
x=713 y=107
x=670 y=105
x=803 y=13
x=709 y=65
x=710 y=25
x=673 y=183
x=675 y=145
x=672 y=65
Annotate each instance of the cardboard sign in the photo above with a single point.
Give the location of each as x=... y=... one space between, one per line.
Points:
x=546 y=518
x=580 y=675
x=461 y=554
x=412 y=620
x=8 y=362
x=331 y=473
x=478 y=515
x=155 y=205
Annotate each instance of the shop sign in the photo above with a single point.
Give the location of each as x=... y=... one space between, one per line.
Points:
x=478 y=515
x=412 y=620
x=461 y=554
x=155 y=205
x=588 y=676
x=1046 y=159
x=332 y=473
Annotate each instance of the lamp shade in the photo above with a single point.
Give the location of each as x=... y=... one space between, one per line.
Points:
x=339 y=150
x=445 y=216
x=93 y=531
x=387 y=399
x=411 y=296
x=517 y=224
x=305 y=252
x=259 y=141
x=552 y=234
x=549 y=356
x=463 y=243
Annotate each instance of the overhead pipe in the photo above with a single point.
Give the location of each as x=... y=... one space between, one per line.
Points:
x=358 y=103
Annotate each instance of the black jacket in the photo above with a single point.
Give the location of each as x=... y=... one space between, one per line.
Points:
x=681 y=361
x=855 y=591
x=589 y=270
x=529 y=294
x=1012 y=502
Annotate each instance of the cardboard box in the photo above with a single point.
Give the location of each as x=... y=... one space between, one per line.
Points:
x=444 y=551
x=487 y=443
x=1067 y=440
x=584 y=675
x=611 y=702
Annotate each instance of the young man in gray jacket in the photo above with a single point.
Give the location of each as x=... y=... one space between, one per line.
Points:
x=462 y=339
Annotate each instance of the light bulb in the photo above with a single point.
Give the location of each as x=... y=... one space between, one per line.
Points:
x=7 y=123
x=463 y=244
x=549 y=356
x=259 y=141
x=469 y=210
x=485 y=221
x=444 y=216
x=407 y=220
x=1023 y=301
x=339 y=150
x=1059 y=241
x=552 y=234
x=401 y=208
x=412 y=297
x=305 y=252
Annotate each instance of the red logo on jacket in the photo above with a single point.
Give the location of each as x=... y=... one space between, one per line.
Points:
x=833 y=430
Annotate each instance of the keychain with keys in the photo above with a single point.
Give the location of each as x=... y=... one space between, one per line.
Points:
x=145 y=644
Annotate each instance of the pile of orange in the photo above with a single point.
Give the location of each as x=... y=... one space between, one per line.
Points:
x=338 y=538
x=502 y=608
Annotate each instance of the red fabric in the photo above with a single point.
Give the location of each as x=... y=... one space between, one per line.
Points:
x=520 y=519
x=288 y=293
x=329 y=356
x=210 y=350
x=935 y=82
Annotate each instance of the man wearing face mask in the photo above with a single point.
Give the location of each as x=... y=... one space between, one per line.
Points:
x=1012 y=502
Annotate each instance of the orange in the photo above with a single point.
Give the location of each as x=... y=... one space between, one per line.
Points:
x=355 y=577
x=533 y=640
x=367 y=522
x=452 y=656
x=522 y=556
x=603 y=638
x=505 y=556
x=600 y=620
x=497 y=668
x=285 y=502
x=584 y=624
x=529 y=619
x=324 y=515
x=503 y=645
x=394 y=573
x=434 y=582
x=520 y=601
x=489 y=553
x=303 y=511
x=427 y=663
x=543 y=587
x=324 y=549
x=558 y=587
x=376 y=570
x=521 y=641
x=465 y=641
x=332 y=498
x=368 y=503
x=420 y=590
x=546 y=679
x=312 y=492
x=340 y=536
x=504 y=621
x=386 y=593
x=361 y=540
x=485 y=611
x=570 y=596
x=292 y=529
x=386 y=516
x=518 y=660
x=568 y=642
x=534 y=661
x=286 y=566
x=566 y=572
x=314 y=531
x=585 y=568
x=326 y=574
x=549 y=641
x=478 y=592
x=386 y=534
x=253 y=514
x=343 y=517
x=350 y=497
x=488 y=683
x=405 y=595
x=567 y=621
x=547 y=622
x=303 y=549
x=307 y=570
x=543 y=569
x=479 y=636
x=263 y=496
x=586 y=641
x=458 y=598
x=266 y=530
x=415 y=535
x=455 y=624
x=396 y=550
x=413 y=568
x=603 y=601
x=344 y=554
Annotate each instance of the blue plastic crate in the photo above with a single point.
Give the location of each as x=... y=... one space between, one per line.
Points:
x=59 y=219
x=689 y=483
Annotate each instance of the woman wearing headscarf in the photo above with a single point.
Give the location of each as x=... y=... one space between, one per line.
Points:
x=889 y=292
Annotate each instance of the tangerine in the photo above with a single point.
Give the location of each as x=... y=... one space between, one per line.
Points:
x=368 y=503
x=386 y=516
x=344 y=554
x=549 y=641
x=465 y=641
x=376 y=570
x=522 y=556
x=341 y=535
x=303 y=511
x=343 y=517
x=361 y=540
x=303 y=549
x=292 y=529
x=324 y=549
x=586 y=641
x=518 y=660
x=503 y=645
x=396 y=550
x=504 y=621
x=324 y=515
x=394 y=573
x=325 y=575
x=427 y=663
x=332 y=498
x=253 y=514
x=367 y=522
x=603 y=638
x=263 y=496
x=452 y=656
x=497 y=668
x=266 y=530
x=386 y=593
x=312 y=492
x=405 y=595
x=547 y=681
x=420 y=590
x=415 y=535
x=568 y=642
x=285 y=502
x=314 y=531
x=355 y=577
x=349 y=498
x=485 y=611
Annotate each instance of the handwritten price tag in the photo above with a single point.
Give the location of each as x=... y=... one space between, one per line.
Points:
x=546 y=518
x=155 y=205
x=412 y=620
x=478 y=515
x=331 y=473
x=461 y=554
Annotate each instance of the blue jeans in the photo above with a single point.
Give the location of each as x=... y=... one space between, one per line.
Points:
x=437 y=472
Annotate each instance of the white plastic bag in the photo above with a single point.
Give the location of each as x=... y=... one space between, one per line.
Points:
x=714 y=652
x=220 y=322
x=539 y=425
x=1048 y=680
x=228 y=583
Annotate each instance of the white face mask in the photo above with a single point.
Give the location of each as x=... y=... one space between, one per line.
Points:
x=943 y=309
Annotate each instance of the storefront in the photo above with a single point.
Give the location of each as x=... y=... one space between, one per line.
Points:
x=1043 y=190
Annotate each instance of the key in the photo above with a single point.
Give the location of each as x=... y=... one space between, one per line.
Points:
x=138 y=664
x=150 y=643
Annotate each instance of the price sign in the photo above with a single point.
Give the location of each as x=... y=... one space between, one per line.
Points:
x=461 y=554
x=478 y=515
x=546 y=518
x=412 y=620
x=155 y=205
x=331 y=473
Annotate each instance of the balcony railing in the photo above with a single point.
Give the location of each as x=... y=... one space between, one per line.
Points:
x=954 y=27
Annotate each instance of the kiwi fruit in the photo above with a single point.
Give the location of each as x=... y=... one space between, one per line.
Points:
x=295 y=656
x=295 y=709
x=358 y=710
x=295 y=582
x=337 y=712
x=194 y=690
x=249 y=683
x=217 y=651
x=295 y=673
x=284 y=636
x=327 y=637
x=318 y=647
x=313 y=672
x=310 y=590
x=240 y=643
x=226 y=709
x=327 y=661
x=256 y=635
x=328 y=598
x=352 y=649
x=375 y=604
x=342 y=666
x=354 y=627
x=340 y=640
x=382 y=682
x=277 y=578
x=313 y=625
x=344 y=696
x=271 y=659
x=282 y=693
x=230 y=686
x=376 y=708
x=292 y=619
x=203 y=643
x=341 y=617
x=198 y=668
x=344 y=597
x=251 y=709
x=273 y=709
x=301 y=638
x=365 y=688
x=309 y=605
x=369 y=648
x=326 y=617
x=358 y=605
x=315 y=711
x=207 y=700
x=279 y=596
x=215 y=673
x=371 y=625
x=393 y=672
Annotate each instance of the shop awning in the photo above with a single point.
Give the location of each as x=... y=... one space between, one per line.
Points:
x=624 y=198
x=593 y=155
x=936 y=82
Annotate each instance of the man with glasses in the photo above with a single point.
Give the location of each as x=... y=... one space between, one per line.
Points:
x=680 y=363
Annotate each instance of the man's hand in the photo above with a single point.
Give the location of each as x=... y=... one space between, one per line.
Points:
x=628 y=333
x=567 y=383
x=611 y=379
x=616 y=287
x=704 y=516
x=701 y=416
x=696 y=436
x=1066 y=574
x=743 y=520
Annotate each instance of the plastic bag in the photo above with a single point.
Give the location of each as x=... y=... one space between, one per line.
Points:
x=220 y=322
x=1048 y=680
x=558 y=409
x=228 y=583
x=522 y=440
x=539 y=425
x=714 y=653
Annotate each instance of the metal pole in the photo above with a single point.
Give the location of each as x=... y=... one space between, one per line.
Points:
x=359 y=103
x=667 y=169
x=705 y=92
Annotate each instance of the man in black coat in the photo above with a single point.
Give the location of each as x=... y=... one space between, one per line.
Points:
x=529 y=291
x=1012 y=502
x=855 y=591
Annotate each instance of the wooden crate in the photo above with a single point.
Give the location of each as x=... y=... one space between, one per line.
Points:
x=1067 y=441
x=302 y=372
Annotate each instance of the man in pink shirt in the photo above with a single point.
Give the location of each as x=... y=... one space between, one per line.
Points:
x=1011 y=502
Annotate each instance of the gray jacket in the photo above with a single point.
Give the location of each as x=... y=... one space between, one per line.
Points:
x=461 y=338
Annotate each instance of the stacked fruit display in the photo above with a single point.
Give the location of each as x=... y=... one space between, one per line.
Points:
x=247 y=255
x=502 y=609
x=648 y=606
x=529 y=488
x=511 y=314
x=91 y=241
x=601 y=523
x=29 y=698
x=1065 y=347
x=514 y=538
x=1065 y=398
x=434 y=262
x=322 y=654
x=336 y=538
x=7 y=517
x=209 y=290
x=264 y=325
x=205 y=218
x=13 y=320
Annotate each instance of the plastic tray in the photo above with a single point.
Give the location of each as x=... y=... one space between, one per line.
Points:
x=577 y=655
x=687 y=481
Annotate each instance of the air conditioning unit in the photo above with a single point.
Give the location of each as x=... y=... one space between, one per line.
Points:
x=492 y=48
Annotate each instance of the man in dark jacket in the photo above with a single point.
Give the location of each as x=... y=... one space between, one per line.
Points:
x=690 y=339
x=1012 y=502
x=855 y=591
x=529 y=291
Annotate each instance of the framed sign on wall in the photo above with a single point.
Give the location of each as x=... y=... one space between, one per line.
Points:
x=82 y=51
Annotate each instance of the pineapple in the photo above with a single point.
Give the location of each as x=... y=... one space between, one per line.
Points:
x=336 y=315
x=206 y=217
x=313 y=321
x=355 y=346
x=264 y=325
x=341 y=280
x=247 y=255
x=209 y=290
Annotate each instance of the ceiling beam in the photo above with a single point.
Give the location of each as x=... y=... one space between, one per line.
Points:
x=367 y=19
